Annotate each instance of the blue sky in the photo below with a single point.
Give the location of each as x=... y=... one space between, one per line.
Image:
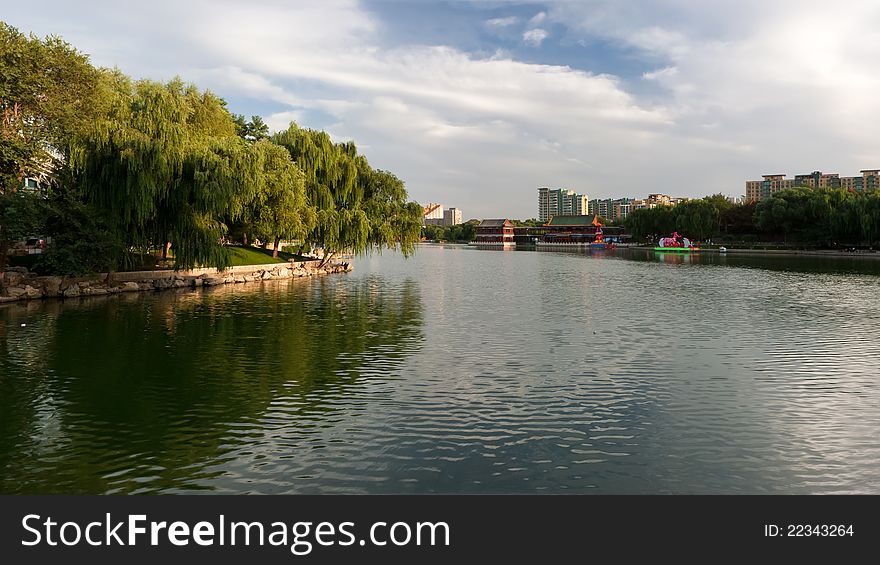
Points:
x=475 y=104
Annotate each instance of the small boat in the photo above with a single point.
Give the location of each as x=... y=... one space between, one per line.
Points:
x=722 y=249
x=676 y=244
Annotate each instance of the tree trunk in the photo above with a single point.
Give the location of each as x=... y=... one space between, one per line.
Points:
x=244 y=238
x=165 y=249
x=326 y=259
x=275 y=248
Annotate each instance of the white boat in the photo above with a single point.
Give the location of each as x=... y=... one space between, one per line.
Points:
x=722 y=249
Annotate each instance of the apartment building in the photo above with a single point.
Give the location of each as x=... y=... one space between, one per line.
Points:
x=433 y=211
x=436 y=215
x=560 y=202
x=600 y=207
x=451 y=217
x=771 y=184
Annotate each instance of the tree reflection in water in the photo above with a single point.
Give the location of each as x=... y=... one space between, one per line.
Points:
x=143 y=392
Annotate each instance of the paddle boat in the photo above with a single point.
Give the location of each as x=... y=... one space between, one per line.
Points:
x=676 y=244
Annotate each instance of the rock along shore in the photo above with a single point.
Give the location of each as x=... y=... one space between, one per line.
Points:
x=19 y=284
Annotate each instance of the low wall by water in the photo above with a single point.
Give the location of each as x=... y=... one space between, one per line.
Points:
x=19 y=284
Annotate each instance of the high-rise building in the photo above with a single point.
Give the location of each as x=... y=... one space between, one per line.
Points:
x=433 y=214
x=543 y=203
x=436 y=215
x=870 y=180
x=451 y=217
x=661 y=200
x=600 y=207
x=580 y=205
x=560 y=202
x=553 y=204
x=616 y=209
x=817 y=179
x=620 y=208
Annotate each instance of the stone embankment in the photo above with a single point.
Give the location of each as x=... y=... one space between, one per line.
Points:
x=19 y=284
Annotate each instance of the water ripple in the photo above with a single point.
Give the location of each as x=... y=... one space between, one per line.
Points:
x=456 y=371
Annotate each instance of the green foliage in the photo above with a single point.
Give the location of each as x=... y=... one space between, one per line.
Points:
x=697 y=218
x=801 y=214
x=531 y=222
x=144 y=164
x=823 y=217
x=164 y=165
x=719 y=202
x=461 y=233
x=357 y=208
x=252 y=256
x=82 y=241
x=254 y=130
x=47 y=95
x=827 y=216
x=737 y=219
x=434 y=233
x=279 y=208
x=21 y=214
x=394 y=221
x=651 y=223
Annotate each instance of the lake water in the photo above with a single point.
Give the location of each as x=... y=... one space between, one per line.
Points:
x=458 y=370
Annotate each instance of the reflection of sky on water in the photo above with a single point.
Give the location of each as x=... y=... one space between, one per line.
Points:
x=460 y=370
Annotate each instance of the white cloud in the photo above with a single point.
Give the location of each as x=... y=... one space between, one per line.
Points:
x=666 y=73
x=281 y=120
x=234 y=80
x=726 y=91
x=752 y=86
x=659 y=41
x=502 y=22
x=535 y=37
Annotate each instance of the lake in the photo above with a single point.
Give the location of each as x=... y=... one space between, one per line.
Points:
x=458 y=370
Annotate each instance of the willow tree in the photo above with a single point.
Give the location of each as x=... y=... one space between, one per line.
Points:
x=393 y=220
x=651 y=223
x=165 y=166
x=696 y=218
x=279 y=208
x=356 y=206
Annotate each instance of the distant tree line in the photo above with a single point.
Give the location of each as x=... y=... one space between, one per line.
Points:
x=696 y=219
x=818 y=217
x=529 y=223
x=137 y=166
x=458 y=233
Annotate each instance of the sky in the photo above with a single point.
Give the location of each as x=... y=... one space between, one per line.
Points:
x=476 y=104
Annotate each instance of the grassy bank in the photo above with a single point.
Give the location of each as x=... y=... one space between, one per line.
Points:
x=240 y=256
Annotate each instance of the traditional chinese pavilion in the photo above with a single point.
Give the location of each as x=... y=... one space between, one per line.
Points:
x=495 y=232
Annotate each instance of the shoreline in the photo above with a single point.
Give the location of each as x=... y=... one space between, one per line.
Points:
x=18 y=284
x=830 y=253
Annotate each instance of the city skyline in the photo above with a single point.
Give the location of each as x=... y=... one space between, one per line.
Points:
x=480 y=102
